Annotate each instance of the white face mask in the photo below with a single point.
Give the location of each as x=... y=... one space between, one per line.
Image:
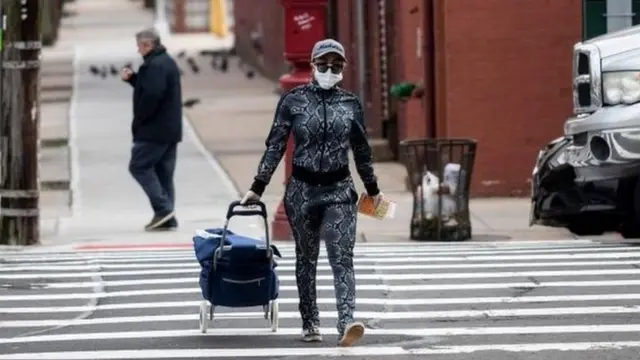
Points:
x=327 y=79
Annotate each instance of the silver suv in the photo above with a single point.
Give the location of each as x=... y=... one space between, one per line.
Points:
x=587 y=180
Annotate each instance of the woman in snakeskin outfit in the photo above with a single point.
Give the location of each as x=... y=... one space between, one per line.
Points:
x=320 y=198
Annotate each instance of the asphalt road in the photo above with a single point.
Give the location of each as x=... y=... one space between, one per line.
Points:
x=515 y=300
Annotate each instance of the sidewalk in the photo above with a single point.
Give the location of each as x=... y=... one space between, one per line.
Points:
x=108 y=206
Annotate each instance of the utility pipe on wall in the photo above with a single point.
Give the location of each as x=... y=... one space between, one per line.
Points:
x=361 y=48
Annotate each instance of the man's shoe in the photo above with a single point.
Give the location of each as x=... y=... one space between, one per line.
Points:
x=158 y=221
x=352 y=333
x=311 y=335
x=171 y=225
x=165 y=227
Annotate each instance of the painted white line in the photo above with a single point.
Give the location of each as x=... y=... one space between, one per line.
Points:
x=167 y=266
x=189 y=261
x=403 y=315
x=360 y=277
x=361 y=301
x=584 y=346
x=253 y=332
x=111 y=247
x=365 y=287
x=398 y=250
x=380 y=260
x=360 y=351
x=114 y=259
x=71 y=275
x=80 y=264
x=211 y=353
x=160 y=247
x=47 y=252
x=179 y=268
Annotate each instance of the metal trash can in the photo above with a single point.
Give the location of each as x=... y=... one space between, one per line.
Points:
x=439 y=172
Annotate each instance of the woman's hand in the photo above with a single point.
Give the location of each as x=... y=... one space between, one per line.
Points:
x=249 y=197
x=378 y=199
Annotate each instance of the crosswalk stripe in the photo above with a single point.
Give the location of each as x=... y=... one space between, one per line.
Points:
x=191 y=266
x=187 y=245
x=365 y=287
x=359 y=351
x=253 y=332
x=401 y=315
x=567 y=346
x=370 y=250
x=361 y=301
x=108 y=247
x=359 y=277
x=364 y=249
x=213 y=353
x=382 y=260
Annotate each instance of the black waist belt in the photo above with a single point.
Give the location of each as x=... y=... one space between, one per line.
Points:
x=320 y=178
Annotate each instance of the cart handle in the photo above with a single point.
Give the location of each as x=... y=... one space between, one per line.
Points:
x=232 y=211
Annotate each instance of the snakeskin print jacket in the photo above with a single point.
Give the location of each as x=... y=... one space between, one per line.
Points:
x=325 y=125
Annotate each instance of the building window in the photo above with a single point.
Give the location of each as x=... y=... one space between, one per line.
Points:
x=594 y=16
x=594 y=21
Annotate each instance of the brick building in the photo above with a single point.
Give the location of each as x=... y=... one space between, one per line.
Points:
x=498 y=71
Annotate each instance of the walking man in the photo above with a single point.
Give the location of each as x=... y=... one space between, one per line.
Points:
x=156 y=127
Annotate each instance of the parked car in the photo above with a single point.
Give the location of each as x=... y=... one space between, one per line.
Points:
x=588 y=180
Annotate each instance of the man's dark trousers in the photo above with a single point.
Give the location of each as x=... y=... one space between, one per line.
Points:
x=152 y=165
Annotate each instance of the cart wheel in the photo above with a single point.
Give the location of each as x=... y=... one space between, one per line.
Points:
x=266 y=311
x=204 y=316
x=273 y=316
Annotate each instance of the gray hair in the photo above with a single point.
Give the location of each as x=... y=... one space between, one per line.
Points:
x=148 y=35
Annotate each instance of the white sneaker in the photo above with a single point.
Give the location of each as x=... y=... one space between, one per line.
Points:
x=311 y=335
x=352 y=333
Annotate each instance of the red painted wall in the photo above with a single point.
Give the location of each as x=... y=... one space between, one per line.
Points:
x=506 y=81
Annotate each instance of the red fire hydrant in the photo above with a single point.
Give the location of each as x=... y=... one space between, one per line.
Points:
x=305 y=23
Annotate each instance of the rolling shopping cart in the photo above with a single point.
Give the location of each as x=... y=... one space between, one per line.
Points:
x=237 y=271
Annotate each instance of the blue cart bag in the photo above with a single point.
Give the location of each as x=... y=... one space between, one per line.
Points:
x=242 y=274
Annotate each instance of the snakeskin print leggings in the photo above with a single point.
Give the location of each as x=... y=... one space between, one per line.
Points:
x=327 y=212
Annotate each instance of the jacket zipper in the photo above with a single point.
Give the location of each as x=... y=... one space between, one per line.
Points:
x=324 y=132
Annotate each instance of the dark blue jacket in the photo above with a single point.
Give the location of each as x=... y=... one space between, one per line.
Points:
x=325 y=124
x=157 y=99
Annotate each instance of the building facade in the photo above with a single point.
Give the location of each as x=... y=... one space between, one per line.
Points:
x=498 y=71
